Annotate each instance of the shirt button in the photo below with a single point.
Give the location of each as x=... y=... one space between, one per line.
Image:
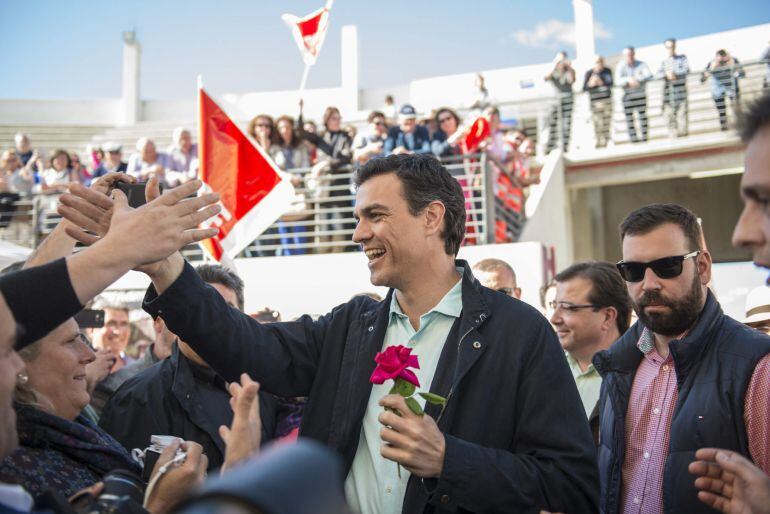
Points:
x=656 y=410
x=637 y=501
x=388 y=489
x=371 y=328
x=444 y=498
x=646 y=455
x=476 y=345
x=411 y=343
x=665 y=367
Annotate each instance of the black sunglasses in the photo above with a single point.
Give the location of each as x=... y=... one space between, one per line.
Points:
x=667 y=267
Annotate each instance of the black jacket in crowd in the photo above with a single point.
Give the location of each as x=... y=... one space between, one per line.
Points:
x=714 y=364
x=517 y=438
x=177 y=397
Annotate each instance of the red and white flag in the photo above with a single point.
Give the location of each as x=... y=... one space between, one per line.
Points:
x=253 y=191
x=310 y=31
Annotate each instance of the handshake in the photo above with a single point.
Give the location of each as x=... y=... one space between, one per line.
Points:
x=143 y=238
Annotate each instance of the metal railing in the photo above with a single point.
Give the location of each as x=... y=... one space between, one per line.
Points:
x=701 y=103
x=321 y=218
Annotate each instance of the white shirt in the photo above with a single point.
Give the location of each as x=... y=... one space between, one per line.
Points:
x=373 y=485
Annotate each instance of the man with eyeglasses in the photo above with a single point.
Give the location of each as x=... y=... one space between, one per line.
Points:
x=590 y=312
x=686 y=376
x=498 y=275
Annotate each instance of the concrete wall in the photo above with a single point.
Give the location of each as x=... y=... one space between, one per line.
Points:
x=548 y=211
x=714 y=200
x=96 y=111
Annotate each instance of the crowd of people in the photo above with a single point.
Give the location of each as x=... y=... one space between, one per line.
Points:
x=723 y=73
x=587 y=411
x=319 y=160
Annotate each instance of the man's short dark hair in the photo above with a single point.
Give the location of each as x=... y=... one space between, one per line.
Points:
x=755 y=118
x=424 y=180
x=216 y=274
x=646 y=219
x=608 y=288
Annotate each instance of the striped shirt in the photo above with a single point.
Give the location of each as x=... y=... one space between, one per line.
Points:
x=648 y=423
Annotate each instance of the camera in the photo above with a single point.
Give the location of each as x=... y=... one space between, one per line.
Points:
x=123 y=493
x=149 y=456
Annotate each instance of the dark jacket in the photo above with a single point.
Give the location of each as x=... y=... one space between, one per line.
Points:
x=107 y=387
x=177 y=397
x=418 y=142
x=40 y=298
x=599 y=92
x=517 y=439
x=714 y=363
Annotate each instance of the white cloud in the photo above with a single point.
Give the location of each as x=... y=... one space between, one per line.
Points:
x=554 y=33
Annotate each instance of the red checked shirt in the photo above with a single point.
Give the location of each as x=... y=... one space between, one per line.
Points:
x=648 y=422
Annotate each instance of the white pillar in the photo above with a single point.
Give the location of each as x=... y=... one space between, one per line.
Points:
x=130 y=91
x=585 y=49
x=584 y=34
x=349 y=44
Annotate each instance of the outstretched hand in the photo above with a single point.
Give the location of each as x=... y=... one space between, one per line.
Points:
x=145 y=235
x=244 y=436
x=730 y=483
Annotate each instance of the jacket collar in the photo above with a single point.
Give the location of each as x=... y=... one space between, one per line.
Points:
x=624 y=356
x=474 y=310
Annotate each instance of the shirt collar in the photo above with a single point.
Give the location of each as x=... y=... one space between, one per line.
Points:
x=573 y=363
x=450 y=305
x=646 y=342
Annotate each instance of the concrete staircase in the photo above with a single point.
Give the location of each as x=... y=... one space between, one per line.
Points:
x=73 y=138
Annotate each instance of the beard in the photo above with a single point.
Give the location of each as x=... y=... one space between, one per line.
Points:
x=682 y=315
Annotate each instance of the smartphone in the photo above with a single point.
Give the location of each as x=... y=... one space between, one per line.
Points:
x=135 y=193
x=90 y=318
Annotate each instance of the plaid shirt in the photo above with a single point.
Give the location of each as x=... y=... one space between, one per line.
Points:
x=648 y=423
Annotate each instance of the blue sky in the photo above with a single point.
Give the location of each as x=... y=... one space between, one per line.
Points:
x=72 y=49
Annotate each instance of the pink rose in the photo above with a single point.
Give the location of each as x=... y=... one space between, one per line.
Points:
x=393 y=364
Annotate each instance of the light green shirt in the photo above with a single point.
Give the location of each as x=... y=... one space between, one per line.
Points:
x=373 y=486
x=589 y=383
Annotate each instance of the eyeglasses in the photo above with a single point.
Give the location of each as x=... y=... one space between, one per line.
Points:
x=667 y=267
x=379 y=123
x=570 y=307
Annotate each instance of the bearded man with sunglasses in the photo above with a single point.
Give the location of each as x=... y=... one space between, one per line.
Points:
x=685 y=376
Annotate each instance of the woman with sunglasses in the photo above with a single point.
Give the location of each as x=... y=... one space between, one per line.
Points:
x=445 y=141
x=369 y=144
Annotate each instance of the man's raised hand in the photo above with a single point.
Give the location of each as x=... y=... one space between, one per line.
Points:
x=144 y=235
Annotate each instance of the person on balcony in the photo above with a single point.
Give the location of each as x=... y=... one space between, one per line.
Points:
x=673 y=71
x=562 y=77
x=724 y=71
x=632 y=76
x=598 y=84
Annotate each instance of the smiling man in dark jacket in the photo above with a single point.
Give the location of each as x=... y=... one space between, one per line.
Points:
x=513 y=436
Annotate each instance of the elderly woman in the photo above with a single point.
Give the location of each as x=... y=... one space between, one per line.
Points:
x=59 y=449
x=148 y=161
